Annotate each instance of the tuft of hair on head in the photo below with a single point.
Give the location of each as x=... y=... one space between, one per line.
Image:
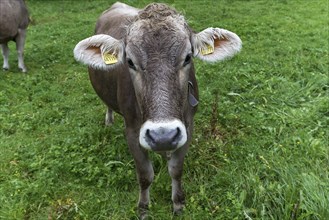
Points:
x=157 y=11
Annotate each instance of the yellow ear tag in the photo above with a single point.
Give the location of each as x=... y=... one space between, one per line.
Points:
x=208 y=50
x=109 y=58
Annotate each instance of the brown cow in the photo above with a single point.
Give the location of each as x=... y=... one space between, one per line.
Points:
x=14 y=19
x=140 y=65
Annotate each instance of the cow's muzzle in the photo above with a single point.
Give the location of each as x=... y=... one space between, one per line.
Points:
x=162 y=136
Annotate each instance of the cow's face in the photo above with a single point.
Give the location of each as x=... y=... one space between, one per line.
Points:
x=159 y=58
x=158 y=51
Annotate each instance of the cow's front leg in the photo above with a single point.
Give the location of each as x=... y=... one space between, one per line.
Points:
x=145 y=173
x=175 y=167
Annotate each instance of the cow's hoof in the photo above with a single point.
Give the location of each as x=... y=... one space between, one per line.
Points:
x=178 y=212
x=178 y=209
x=5 y=68
x=23 y=70
x=143 y=211
x=143 y=216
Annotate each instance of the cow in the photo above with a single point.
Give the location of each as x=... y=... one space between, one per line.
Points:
x=14 y=20
x=140 y=65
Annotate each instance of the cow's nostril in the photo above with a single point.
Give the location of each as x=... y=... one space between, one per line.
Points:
x=177 y=135
x=150 y=137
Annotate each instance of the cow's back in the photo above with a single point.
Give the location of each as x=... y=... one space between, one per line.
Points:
x=13 y=16
x=114 y=85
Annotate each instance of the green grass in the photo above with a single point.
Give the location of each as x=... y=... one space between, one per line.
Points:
x=260 y=148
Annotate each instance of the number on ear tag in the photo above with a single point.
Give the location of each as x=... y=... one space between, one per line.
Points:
x=109 y=58
x=208 y=50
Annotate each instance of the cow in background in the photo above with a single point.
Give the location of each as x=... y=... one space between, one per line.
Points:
x=14 y=19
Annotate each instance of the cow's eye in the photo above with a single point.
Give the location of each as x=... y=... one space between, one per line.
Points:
x=131 y=64
x=187 y=59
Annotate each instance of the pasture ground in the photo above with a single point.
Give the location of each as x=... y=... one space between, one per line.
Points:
x=260 y=148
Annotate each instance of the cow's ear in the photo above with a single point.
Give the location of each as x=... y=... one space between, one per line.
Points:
x=100 y=52
x=215 y=44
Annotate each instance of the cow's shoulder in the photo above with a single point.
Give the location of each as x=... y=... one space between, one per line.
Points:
x=114 y=20
x=122 y=9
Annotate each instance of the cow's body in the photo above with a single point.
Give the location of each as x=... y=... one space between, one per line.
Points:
x=151 y=82
x=14 y=19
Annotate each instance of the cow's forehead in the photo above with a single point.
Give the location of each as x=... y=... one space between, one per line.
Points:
x=143 y=30
x=157 y=20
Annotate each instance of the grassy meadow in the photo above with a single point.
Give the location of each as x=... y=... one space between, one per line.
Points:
x=260 y=148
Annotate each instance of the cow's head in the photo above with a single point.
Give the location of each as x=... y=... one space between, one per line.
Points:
x=157 y=50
